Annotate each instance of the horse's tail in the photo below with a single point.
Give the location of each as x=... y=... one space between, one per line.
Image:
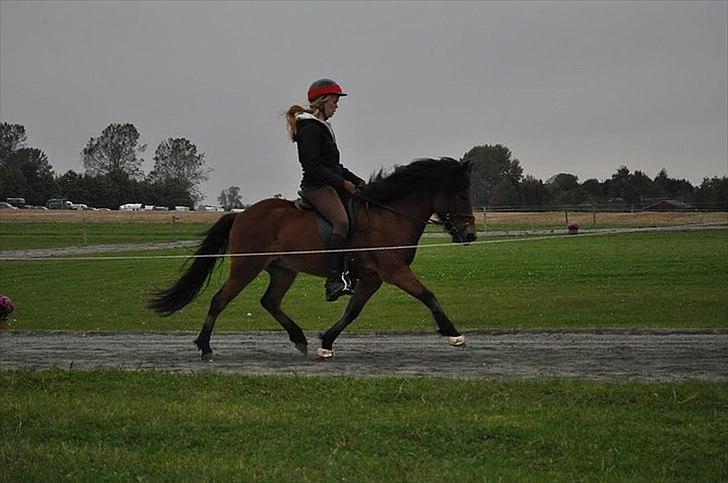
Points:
x=170 y=300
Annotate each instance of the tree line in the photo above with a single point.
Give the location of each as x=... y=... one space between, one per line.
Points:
x=112 y=176
x=112 y=173
x=497 y=180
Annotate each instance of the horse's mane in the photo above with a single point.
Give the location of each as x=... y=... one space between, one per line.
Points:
x=431 y=175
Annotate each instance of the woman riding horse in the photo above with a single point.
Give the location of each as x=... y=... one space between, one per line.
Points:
x=325 y=180
x=276 y=237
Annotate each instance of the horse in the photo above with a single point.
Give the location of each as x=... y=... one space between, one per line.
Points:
x=274 y=235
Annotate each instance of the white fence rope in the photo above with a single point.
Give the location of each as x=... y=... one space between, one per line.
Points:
x=363 y=249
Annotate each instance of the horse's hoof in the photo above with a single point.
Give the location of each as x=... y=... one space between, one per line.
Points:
x=302 y=347
x=324 y=353
x=456 y=341
x=206 y=356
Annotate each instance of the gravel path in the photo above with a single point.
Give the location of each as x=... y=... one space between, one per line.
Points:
x=603 y=355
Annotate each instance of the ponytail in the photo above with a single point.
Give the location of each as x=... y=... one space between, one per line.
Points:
x=293 y=111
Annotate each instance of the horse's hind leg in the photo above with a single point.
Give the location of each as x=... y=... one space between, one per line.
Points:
x=281 y=280
x=241 y=274
x=366 y=287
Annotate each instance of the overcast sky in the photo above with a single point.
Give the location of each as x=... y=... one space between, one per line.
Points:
x=569 y=87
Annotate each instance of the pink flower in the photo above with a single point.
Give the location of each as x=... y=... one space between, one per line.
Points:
x=573 y=226
x=6 y=306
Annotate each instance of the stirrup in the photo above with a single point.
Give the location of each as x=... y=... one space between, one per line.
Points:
x=342 y=286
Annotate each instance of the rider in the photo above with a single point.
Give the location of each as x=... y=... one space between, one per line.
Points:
x=325 y=181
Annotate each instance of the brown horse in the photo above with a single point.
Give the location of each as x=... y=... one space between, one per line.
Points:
x=392 y=211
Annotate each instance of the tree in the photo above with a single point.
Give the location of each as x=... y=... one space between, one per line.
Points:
x=533 y=192
x=666 y=187
x=491 y=165
x=115 y=152
x=619 y=186
x=230 y=198
x=506 y=194
x=26 y=173
x=594 y=191
x=12 y=138
x=563 y=182
x=714 y=191
x=177 y=162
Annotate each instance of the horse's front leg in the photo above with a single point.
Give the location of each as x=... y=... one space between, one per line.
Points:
x=366 y=287
x=407 y=281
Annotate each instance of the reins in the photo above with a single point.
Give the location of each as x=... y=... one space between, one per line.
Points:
x=420 y=220
x=393 y=210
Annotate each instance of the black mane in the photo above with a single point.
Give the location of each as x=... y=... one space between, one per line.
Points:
x=430 y=175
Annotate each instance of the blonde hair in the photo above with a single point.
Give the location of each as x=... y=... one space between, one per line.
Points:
x=316 y=106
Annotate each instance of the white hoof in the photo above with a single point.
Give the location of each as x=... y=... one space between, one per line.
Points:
x=456 y=341
x=324 y=353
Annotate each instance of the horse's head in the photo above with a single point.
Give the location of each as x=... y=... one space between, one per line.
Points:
x=452 y=205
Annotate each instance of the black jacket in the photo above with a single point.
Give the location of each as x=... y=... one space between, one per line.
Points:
x=319 y=156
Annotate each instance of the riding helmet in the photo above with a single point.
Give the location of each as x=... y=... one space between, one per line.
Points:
x=322 y=87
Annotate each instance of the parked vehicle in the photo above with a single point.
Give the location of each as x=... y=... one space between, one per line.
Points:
x=16 y=202
x=58 y=204
x=6 y=206
x=131 y=207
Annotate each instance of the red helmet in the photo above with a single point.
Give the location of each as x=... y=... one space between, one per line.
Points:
x=322 y=87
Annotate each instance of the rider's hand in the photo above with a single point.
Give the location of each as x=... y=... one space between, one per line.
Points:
x=349 y=186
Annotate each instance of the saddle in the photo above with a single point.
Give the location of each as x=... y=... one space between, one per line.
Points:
x=325 y=228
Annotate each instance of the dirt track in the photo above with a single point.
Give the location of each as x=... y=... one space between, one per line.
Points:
x=605 y=355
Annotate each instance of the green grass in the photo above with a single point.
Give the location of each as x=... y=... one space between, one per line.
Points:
x=30 y=235
x=153 y=426
x=669 y=280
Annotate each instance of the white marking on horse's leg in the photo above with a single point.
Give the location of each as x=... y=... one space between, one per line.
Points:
x=456 y=341
x=324 y=353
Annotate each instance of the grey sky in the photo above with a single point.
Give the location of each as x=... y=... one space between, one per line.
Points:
x=568 y=87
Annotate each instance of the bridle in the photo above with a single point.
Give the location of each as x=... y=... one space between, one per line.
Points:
x=447 y=222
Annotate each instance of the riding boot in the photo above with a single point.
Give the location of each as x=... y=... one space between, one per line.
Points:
x=337 y=283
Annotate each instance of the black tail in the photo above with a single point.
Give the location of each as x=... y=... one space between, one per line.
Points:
x=169 y=301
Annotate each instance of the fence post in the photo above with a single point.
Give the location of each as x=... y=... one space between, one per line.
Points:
x=83 y=231
x=594 y=215
x=174 y=228
x=566 y=215
x=485 y=217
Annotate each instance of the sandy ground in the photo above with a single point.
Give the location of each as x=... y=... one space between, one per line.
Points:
x=602 y=355
x=527 y=219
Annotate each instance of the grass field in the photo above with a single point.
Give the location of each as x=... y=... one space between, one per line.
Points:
x=147 y=426
x=153 y=426
x=670 y=280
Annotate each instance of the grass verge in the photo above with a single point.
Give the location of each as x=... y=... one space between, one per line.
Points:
x=120 y=426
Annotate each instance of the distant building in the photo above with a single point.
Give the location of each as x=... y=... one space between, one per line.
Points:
x=209 y=208
x=665 y=205
x=181 y=208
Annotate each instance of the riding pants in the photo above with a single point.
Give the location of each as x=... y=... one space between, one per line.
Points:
x=326 y=200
